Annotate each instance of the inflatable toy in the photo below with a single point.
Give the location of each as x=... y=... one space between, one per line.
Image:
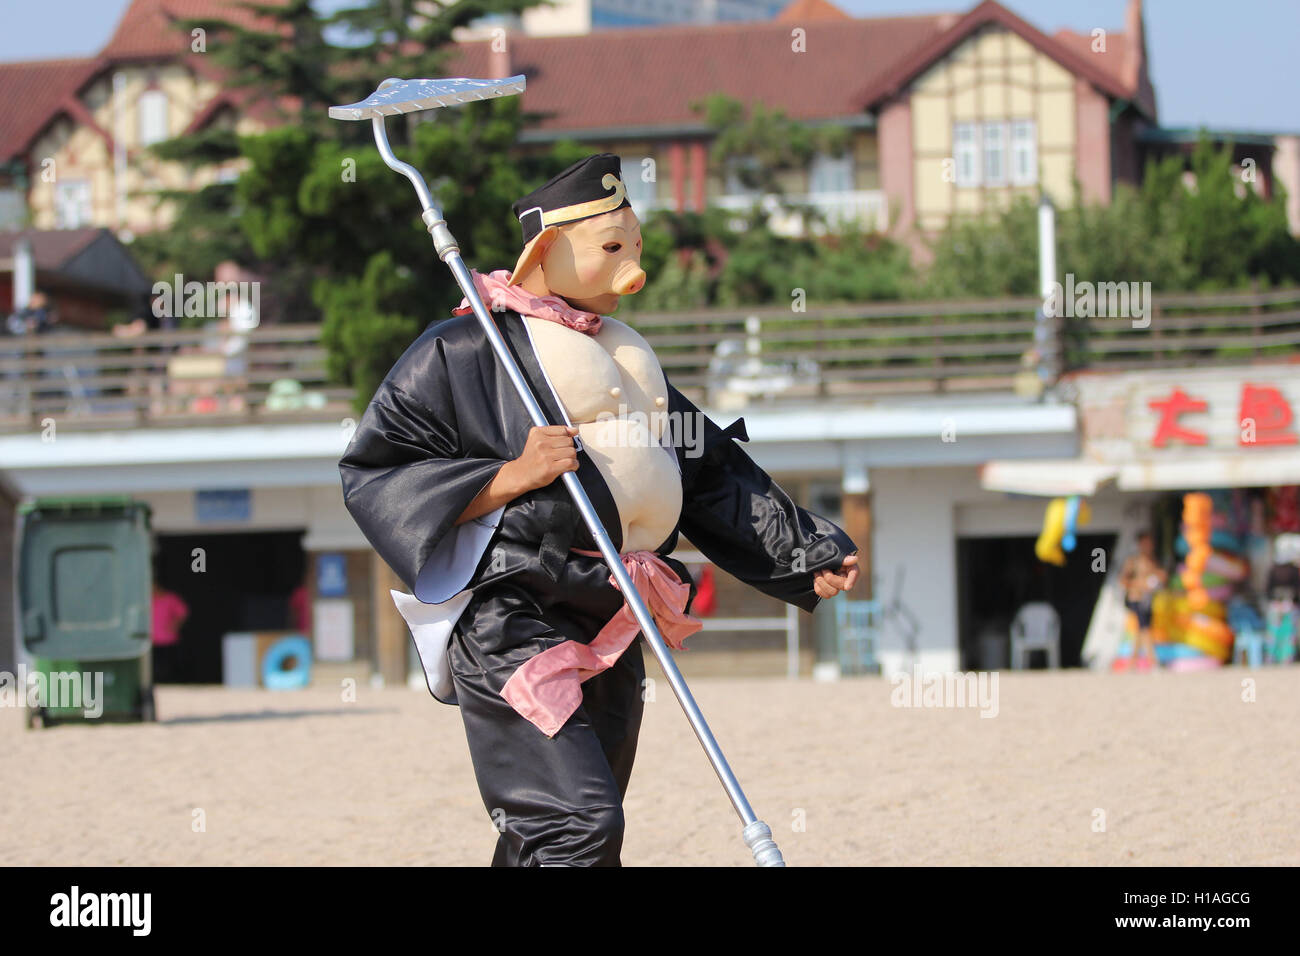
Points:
x=1060 y=525
x=287 y=664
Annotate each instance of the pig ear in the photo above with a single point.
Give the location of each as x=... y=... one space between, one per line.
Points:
x=533 y=254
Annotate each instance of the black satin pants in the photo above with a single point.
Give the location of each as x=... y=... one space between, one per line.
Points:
x=555 y=801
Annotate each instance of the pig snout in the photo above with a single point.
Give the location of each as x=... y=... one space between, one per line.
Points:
x=629 y=279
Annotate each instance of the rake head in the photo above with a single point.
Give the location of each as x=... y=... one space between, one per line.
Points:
x=409 y=96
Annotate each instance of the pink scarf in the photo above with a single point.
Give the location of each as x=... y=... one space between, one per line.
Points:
x=547 y=688
x=498 y=295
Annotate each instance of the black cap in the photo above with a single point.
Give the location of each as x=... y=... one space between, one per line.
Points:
x=590 y=187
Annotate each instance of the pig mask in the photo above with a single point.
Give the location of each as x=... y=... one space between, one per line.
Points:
x=590 y=264
x=582 y=241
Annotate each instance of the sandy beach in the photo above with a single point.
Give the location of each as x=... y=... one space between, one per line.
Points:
x=1075 y=768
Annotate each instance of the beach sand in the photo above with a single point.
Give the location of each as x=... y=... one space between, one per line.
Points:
x=1075 y=768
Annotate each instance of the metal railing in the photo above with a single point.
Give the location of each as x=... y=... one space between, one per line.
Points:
x=787 y=621
x=715 y=356
x=1188 y=330
x=187 y=377
x=849 y=351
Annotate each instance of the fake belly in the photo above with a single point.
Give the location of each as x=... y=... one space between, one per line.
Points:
x=642 y=478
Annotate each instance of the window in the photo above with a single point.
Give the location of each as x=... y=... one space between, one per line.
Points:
x=831 y=174
x=152 y=107
x=13 y=208
x=737 y=168
x=1024 y=153
x=995 y=154
x=640 y=194
x=71 y=204
x=964 y=154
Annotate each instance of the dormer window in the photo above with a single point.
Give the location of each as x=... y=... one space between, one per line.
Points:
x=152 y=108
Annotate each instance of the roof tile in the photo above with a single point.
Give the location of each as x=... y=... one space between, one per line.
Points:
x=31 y=92
x=648 y=76
x=51 y=248
x=148 y=30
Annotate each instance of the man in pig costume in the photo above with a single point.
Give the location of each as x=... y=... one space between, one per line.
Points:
x=513 y=611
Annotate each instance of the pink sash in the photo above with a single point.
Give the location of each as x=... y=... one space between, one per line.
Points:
x=547 y=688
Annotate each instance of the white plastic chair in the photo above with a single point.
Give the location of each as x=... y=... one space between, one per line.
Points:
x=1037 y=627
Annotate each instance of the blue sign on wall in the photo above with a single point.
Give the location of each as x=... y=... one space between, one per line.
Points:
x=331 y=575
x=223 y=504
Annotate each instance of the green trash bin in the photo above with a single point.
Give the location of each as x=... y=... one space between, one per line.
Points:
x=85 y=601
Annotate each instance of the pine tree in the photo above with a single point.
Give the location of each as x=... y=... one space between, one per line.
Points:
x=334 y=233
x=282 y=60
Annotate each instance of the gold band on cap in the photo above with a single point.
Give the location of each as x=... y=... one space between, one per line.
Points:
x=583 y=210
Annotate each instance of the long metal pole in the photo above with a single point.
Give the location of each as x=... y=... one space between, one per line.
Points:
x=757 y=835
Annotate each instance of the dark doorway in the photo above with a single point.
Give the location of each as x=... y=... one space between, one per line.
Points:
x=996 y=576
x=246 y=586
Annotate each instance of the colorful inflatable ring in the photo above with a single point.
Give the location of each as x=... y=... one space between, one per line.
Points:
x=1226 y=566
x=287 y=664
x=1198 y=663
x=1174 y=651
x=1181 y=606
x=1215 y=627
x=1219 y=590
x=1220 y=540
x=1207 y=645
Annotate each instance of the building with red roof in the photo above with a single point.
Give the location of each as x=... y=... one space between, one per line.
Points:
x=74 y=133
x=948 y=114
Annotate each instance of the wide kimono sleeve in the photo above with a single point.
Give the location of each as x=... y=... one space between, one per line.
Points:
x=406 y=478
x=743 y=521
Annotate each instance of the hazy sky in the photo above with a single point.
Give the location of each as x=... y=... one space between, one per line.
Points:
x=1231 y=66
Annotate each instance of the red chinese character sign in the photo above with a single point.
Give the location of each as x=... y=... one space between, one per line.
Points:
x=1171 y=409
x=1265 y=416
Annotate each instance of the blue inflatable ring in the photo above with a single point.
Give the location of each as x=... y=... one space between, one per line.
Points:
x=296 y=651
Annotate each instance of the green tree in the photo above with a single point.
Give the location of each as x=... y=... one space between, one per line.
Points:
x=202 y=236
x=1218 y=233
x=276 y=53
x=372 y=223
x=762 y=145
x=987 y=255
x=1231 y=233
x=334 y=233
x=727 y=257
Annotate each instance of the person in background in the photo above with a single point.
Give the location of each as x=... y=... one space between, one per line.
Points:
x=148 y=383
x=1283 y=594
x=35 y=319
x=1141 y=577
x=169 y=613
x=300 y=604
x=12 y=392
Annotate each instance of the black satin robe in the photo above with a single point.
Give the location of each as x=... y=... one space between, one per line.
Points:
x=439 y=427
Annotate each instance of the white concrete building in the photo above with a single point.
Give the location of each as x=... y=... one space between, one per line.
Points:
x=238 y=491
